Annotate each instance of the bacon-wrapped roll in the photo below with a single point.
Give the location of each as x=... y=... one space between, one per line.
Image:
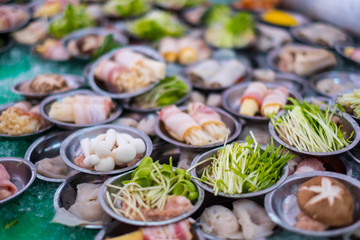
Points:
x=168 y=48
x=252 y=98
x=228 y=74
x=209 y=120
x=182 y=127
x=7 y=188
x=11 y=16
x=53 y=49
x=274 y=100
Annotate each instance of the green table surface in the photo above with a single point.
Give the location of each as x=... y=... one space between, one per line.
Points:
x=29 y=216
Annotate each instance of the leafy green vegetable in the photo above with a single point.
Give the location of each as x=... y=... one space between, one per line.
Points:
x=240 y=168
x=108 y=45
x=74 y=18
x=126 y=8
x=308 y=128
x=352 y=101
x=168 y=91
x=156 y=25
x=216 y=14
x=178 y=4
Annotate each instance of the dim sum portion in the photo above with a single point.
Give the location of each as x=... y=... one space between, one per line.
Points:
x=54 y=168
x=7 y=188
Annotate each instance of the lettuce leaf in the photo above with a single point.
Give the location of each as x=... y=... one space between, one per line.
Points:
x=108 y=45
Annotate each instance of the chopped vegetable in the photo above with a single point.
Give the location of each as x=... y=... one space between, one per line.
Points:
x=168 y=91
x=108 y=45
x=239 y=168
x=308 y=128
x=216 y=14
x=74 y=18
x=156 y=25
x=126 y=8
x=351 y=101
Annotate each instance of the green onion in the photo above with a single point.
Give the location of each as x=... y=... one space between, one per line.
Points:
x=351 y=100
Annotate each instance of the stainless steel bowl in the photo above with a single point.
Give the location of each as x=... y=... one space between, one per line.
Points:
x=355 y=153
x=338 y=77
x=230 y=100
x=44 y=129
x=234 y=126
x=274 y=203
x=22 y=175
x=96 y=85
x=47 y=146
x=36 y=53
x=126 y=176
x=70 y=148
x=65 y=195
x=47 y=102
x=128 y=102
x=340 y=50
x=348 y=125
x=197 y=171
x=73 y=82
x=20 y=25
x=118 y=37
x=116 y=229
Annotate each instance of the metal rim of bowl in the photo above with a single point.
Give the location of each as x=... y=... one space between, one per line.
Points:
x=29 y=165
x=144 y=50
x=353 y=156
x=15 y=88
x=109 y=211
x=115 y=113
x=226 y=93
x=65 y=144
x=118 y=37
x=347 y=117
x=34 y=145
x=8 y=46
x=127 y=103
x=20 y=25
x=293 y=78
x=47 y=127
x=235 y=196
x=327 y=233
x=340 y=50
x=232 y=137
x=57 y=194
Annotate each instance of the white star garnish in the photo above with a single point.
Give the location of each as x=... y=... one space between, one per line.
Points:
x=325 y=191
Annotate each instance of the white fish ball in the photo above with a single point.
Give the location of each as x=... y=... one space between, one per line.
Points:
x=105 y=164
x=94 y=159
x=127 y=137
x=124 y=154
x=100 y=137
x=85 y=146
x=110 y=136
x=120 y=140
x=87 y=162
x=102 y=149
x=139 y=145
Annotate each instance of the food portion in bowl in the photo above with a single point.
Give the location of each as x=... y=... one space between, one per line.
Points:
x=34 y=33
x=81 y=109
x=54 y=168
x=309 y=128
x=11 y=17
x=185 y=50
x=259 y=99
x=129 y=71
x=50 y=8
x=255 y=5
x=200 y=126
x=7 y=188
x=126 y=9
x=172 y=193
x=178 y=4
x=283 y=18
x=304 y=60
x=52 y=49
x=247 y=220
x=21 y=118
x=193 y=15
x=270 y=37
x=216 y=73
x=353 y=53
x=331 y=85
x=46 y=83
x=85 y=45
x=350 y=102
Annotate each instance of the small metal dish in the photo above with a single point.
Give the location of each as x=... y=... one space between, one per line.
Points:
x=230 y=100
x=197 y=171
x=274 y=203
x=20 y=25
x=126 y=176
x=73 y=82
x=98 y=87
x=34 y=52
x=45 y=106
x=22 y=175
x=348 y=125
x=44 y=129
x=8 y=41
x=47 y=146
x=340 y=50
x=118 y=37
x=355 y=153
x=70 y=148
x=234 y=126
x=128 y=103
x=65 y=195
x=349 y=79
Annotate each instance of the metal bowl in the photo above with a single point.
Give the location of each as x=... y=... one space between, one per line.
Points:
x=73 y=81
x=70 y=148
x=126 y=176
x=128 y=102
x=355 y=153
x=96 y=85
x=334 y=100
x=234 y=126
x=338 y=77
x=348 y=125
x=22 y=175
x=34 y=52
x=65 y=195
x=47 y=146
x=116 y=229
x=274 y=203
x=197 y=171
x=44 y=129
x=230 y=100
x=118 y=37
x=340 y=50
x=47 y=102
x=20 y=25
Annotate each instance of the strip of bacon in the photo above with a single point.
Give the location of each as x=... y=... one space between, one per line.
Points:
x=274 y=100
x=255 y=91
x=108 y=71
